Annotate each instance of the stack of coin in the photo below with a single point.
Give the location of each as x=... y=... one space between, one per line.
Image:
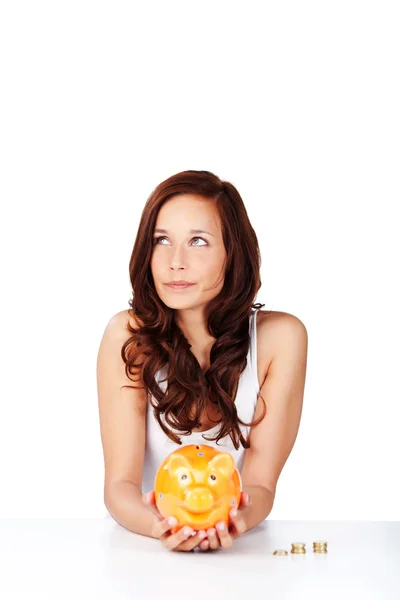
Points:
x=298 y=548
x=320 y=547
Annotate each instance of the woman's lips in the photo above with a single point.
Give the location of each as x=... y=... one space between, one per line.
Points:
x=180 y=286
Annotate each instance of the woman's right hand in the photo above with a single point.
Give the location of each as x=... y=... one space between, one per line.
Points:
x=182 y=540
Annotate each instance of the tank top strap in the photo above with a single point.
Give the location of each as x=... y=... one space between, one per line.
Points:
x=253 y=348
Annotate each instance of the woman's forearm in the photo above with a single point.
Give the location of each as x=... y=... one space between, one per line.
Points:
x=261 y=503
x=126 y=506
x=124 y=503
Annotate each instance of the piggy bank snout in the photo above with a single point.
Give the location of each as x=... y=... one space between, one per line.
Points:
x=199 y=499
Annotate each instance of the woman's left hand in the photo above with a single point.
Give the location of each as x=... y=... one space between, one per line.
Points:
x=223 y=538
x=216 y=538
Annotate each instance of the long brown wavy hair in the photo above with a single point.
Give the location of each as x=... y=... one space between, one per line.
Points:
x=159 y=340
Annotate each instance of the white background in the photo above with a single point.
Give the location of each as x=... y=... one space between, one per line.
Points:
x=295 y=103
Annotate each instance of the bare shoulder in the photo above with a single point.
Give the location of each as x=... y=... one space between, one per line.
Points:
x=275 y=319
x=275 y=329
x=115 y=336
x=120 y=321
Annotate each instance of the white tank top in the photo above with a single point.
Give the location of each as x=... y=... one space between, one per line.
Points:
x=159 y=445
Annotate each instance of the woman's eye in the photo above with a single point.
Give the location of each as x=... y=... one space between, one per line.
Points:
x=199 y=238
x=157 y=239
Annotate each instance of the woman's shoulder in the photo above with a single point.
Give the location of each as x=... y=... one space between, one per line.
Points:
x=125 y=317
x=273 y=324
x=273 y=327
x=278 y=318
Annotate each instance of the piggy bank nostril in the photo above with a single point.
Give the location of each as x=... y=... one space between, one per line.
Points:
x=199 y=500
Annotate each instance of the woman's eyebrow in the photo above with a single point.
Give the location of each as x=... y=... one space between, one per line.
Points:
x=190 y=231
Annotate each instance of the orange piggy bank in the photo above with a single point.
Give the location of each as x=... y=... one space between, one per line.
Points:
x=198 y=485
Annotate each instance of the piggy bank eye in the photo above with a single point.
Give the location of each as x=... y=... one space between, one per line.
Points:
x=183 y=476
x=213 y=477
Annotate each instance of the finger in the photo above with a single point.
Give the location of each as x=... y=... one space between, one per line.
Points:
x=225 y=538
x=237 y=520
x=156 y=512
x=175 y=539
x=164 y=526
x=213 y=538
x=244 y=500
x=149 y=498
x=192 y=542
x=149 y=501
x=204 y=544
x=146 y=500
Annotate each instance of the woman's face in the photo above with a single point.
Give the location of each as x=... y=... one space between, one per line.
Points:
x=181 y=254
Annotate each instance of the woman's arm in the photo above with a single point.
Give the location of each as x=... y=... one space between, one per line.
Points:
x=261 y=503
x=122 y=413
x=124 y=502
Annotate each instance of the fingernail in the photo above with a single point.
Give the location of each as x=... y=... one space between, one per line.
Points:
x=187 y=531
x=233 y=512
x=246 y=497
x=221 y=526
x=172 y=521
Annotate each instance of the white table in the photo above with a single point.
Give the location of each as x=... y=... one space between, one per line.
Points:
x=95 y=559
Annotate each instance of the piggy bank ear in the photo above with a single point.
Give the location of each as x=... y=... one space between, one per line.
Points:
x=175 y=462
x=223 y=462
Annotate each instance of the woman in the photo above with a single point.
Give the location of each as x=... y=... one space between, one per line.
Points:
x=211 y=366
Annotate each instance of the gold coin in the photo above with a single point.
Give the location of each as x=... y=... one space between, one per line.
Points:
x=320 y=542
x=280 y=552
x=320 y=547
x=298 y=548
